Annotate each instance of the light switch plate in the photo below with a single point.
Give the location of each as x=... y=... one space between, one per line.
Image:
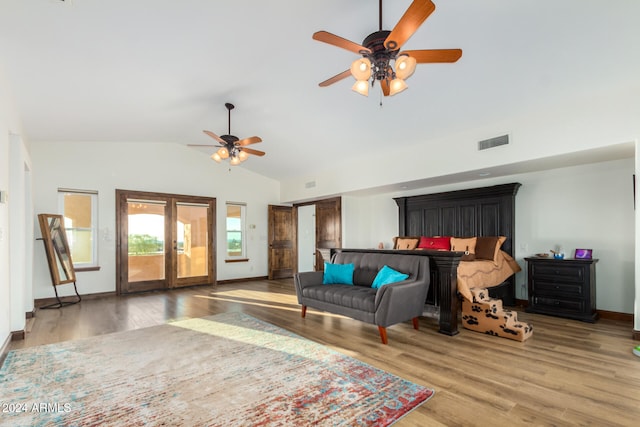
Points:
x=3 y=197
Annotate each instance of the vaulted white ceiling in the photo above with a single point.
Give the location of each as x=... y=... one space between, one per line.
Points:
x=161 y=71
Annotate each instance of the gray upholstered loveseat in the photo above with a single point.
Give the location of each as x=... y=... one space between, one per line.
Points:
x=388 y=305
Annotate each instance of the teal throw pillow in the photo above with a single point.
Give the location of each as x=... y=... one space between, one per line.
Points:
x=387 y=275
x=338 y=274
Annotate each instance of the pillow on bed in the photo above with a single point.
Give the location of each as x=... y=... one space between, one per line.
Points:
x=466 y=245
x=487 y=247
x=408 y=244
x=435 y=243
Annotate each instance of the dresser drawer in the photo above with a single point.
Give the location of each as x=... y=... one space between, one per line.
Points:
x=558 y=271
x=551 y=287
x=562 y=305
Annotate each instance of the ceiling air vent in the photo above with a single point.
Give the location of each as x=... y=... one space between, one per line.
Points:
x=493 y=142
x=309 y=184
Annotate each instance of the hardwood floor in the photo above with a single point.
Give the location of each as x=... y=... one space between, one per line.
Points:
x=569 y=373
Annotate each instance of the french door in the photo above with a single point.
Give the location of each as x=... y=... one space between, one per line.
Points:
x=163 y=241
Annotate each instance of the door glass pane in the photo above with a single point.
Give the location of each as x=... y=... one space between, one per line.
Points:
x=146 y=240
x=192 y=240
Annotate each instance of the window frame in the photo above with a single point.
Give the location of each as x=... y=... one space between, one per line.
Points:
x=83 y=266
x=243 y=232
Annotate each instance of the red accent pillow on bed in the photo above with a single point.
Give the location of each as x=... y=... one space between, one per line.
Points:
x=435 y=243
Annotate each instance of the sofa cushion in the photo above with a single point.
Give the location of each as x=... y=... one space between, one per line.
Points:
x=363 y=276
x=387 y=275
x=337 y=274
x=368 y=264
x=352 y=297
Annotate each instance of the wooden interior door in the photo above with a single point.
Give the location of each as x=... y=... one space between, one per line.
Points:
x=282 y=242
x=328 y=229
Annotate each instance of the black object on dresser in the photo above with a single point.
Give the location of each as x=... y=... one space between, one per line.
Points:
x=562 y=287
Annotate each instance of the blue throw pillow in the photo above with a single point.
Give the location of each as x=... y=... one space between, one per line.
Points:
x=387 y=275
x=338 y=274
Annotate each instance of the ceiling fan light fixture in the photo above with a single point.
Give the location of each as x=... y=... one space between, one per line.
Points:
x=380 y=51
x=362 y=87
x=396 y=86
x=361 y=69
x=231 y=147
x=223 y=153
x=405 y=66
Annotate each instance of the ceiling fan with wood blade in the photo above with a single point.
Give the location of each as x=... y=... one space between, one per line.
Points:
x=231 y=147
x=382 y=48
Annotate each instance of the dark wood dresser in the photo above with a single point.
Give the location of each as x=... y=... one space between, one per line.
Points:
x=562 y=287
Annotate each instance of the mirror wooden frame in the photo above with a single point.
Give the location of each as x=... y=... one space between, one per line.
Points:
x=58 y=253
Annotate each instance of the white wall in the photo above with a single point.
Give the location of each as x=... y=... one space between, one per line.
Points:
x=21 y=241
x=584 y=207
x=571 y=125
x=164 y=168
x=589 y=206
x=636 y=311
x=13 y=267
x=5 y=294
x=306 y=238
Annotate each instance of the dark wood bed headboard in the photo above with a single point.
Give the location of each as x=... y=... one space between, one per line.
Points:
x=486 y=211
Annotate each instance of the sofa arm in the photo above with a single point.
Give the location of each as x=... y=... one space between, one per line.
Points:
x=307 y=278
x=401 y=301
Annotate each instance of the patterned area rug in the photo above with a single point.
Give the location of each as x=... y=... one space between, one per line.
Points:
x=224 y=370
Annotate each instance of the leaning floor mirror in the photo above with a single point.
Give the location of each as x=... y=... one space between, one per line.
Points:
x=58 y=254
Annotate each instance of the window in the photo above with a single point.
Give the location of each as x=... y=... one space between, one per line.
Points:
x=236 y=236
x=80 y=211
